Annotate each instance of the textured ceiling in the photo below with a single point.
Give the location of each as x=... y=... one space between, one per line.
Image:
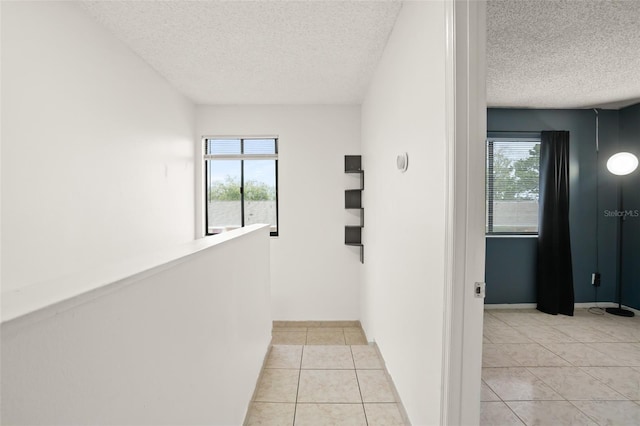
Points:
x=563 y=54
x=540 y=53
x=256 y=52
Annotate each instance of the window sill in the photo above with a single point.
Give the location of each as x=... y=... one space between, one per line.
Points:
x=512 y=236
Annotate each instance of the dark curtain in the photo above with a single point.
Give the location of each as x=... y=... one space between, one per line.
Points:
x=555 y=272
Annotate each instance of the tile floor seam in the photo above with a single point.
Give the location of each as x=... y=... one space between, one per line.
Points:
x=591 y=345
x=505 y=403
x=366 y=420
x=515 y=414
x=603 y=353
x=295 y=406
x=492 y=390
x=605 y=384
x=560 y=356
x=586 y=414
x=547 y=384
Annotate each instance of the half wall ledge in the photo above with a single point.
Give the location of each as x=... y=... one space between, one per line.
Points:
x=47 y=298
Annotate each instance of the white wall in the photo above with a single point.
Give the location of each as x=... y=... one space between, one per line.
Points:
x=404 y=235
x=97 y=148
x=179 y=344
x=314 y=276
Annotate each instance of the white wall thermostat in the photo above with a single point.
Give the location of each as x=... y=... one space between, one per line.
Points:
x=402 y=161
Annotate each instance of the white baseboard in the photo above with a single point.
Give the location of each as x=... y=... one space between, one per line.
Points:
x=595 y=305
x=576 y=305
x=510 y=306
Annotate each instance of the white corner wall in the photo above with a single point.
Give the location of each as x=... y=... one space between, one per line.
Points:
x=314 y=276
x=180 y=342
x=97 y=148
x=404 y=236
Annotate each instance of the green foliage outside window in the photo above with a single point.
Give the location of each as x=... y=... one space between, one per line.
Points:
x=229 y=190
x=516 y=179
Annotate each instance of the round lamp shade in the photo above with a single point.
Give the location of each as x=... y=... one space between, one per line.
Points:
x=622 y=163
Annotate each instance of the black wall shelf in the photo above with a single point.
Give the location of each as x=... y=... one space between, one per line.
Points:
x=352 y=163
x=353 y=201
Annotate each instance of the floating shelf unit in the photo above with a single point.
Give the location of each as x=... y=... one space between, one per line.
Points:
x=353 y=201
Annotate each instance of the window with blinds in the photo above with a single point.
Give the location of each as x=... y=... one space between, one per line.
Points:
x=241 y=183
x=513 y=184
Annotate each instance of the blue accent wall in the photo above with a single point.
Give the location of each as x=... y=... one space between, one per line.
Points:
x=630 y=141
x=510 y=270
x=511 y=262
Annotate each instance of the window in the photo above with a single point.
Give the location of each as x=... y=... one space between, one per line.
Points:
x=241 y=183
x=513 y=170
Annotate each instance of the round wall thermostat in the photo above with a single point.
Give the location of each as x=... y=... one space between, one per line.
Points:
x=402 y=161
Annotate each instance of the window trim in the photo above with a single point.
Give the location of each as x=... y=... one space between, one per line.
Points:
x=508 y=136
x=241 y=157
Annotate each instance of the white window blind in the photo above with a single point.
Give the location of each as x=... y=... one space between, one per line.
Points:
x=512 y=186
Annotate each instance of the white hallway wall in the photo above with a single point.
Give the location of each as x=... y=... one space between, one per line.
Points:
x=97 y=124
x=404 y=236
x=173 y=345
x=97 y=148
x=314 y=276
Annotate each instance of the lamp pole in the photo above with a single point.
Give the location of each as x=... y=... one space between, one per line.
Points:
x=620 y=164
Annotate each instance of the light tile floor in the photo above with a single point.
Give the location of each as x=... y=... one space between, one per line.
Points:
x=317 y=334
x=541 y=369
x=318 y=375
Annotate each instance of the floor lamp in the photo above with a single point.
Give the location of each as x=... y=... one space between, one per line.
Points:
x=621 y=164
